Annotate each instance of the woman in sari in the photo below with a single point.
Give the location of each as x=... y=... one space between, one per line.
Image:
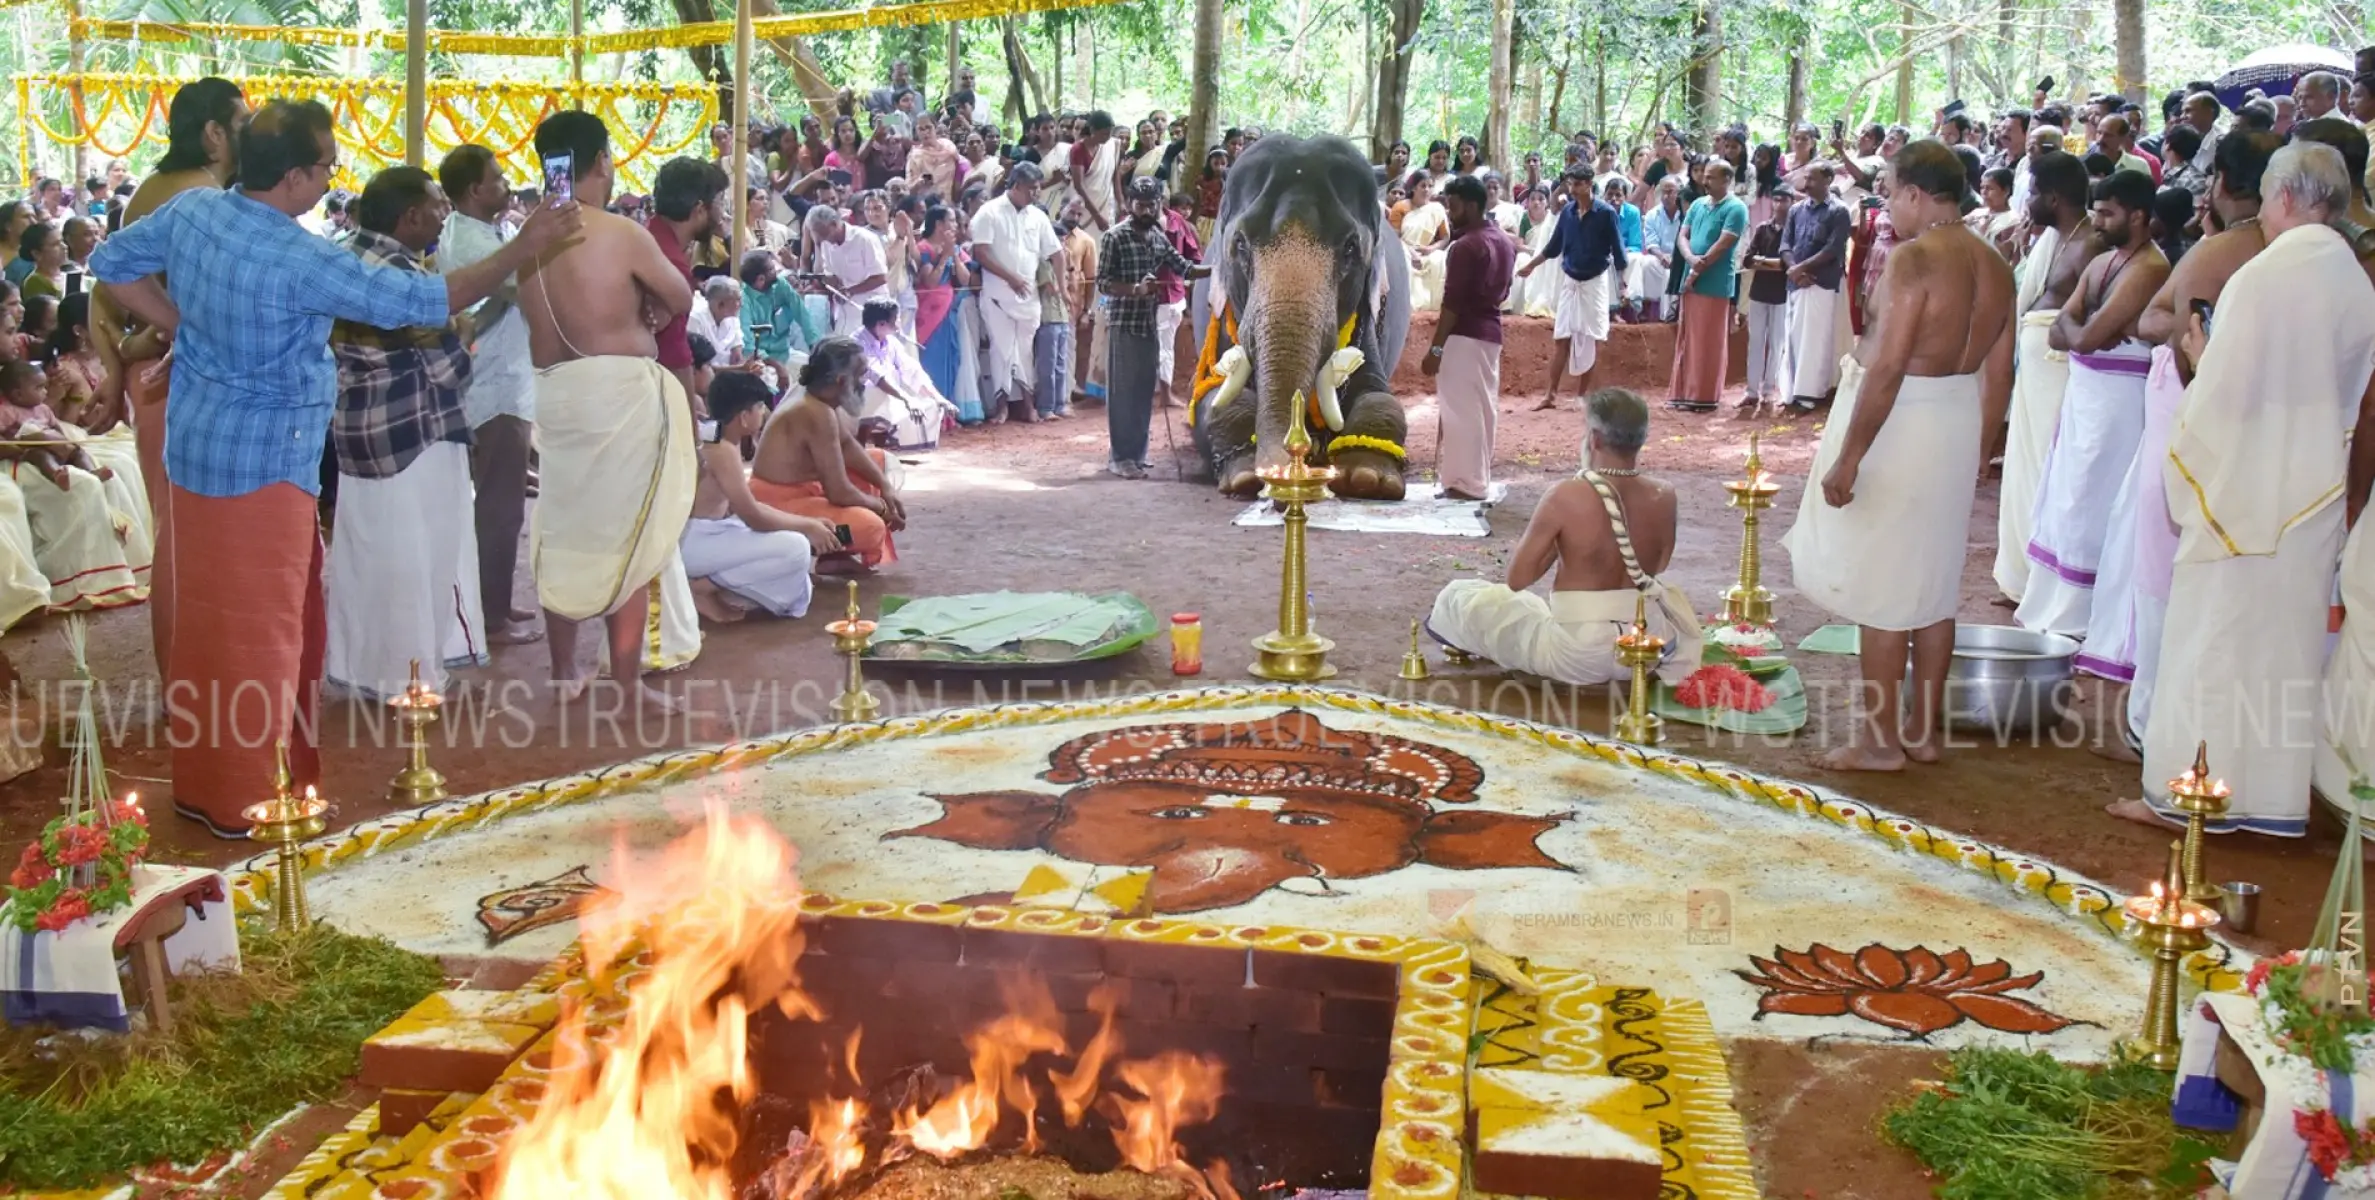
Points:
x=1537 y=295
x=842 y=155
x=1425 y=228
x=74 y=374
x=901 y=400
x=942 y=267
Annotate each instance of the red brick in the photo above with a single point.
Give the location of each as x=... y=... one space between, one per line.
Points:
x=1323 y=1050
x=939 y=983
x=1179 y=964
x=1272 y=1083
x=1145 y=1039
x=1340 y=1087
x=1248 y=1007
x=906 y=941
x=401 y=1110
x=1054 y=953
x=1321 y=973
x=461 y=1056
x=1356 y=1016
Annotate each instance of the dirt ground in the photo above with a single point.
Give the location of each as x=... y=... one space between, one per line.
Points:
x=1029 y=507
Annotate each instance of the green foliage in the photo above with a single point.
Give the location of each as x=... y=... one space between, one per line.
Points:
x=244 y=1050
x=2013 y=1126
x=2320 y=1036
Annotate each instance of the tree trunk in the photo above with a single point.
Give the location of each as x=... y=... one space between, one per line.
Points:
x=1707 y=71
x=2007 y=52
x=1905 y=65
x=707 y=62
x=1529 y=102
x=1057 y=57
x=1600 y=82
x=1496 y=109
x=816 y=87
x=956 y=57
x=2082 y=23
x=1393 y=76
x=2127 y=21
x=1793 y=106
x=1091 y=57
x=1019 y=74
x=1203 y=94
x=2350 y=22
x=1558 y=97
x=1954 y=69
x=1358 y=114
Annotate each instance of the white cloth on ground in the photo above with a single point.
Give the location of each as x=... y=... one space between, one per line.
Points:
x=1892 y=557
x=617 y=481
x=1581 y=318
x=401 y=584
x=768 y=569
x=2039 y=377
x=2094 y=440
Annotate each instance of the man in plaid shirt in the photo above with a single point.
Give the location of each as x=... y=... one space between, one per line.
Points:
x=403 y=530
x=1129 y=260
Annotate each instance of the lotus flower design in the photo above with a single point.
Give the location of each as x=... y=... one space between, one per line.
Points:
x=1917 y=991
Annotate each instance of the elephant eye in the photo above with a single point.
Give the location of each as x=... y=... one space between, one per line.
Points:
x=1301 y=818
x=1179 y=812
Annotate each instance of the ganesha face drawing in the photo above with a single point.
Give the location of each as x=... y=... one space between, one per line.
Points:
x=1221 y=813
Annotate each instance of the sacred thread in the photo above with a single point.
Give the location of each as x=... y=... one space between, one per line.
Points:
x=1187 y=644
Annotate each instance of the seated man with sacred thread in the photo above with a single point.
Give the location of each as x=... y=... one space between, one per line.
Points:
x=1608 y=531
x=809 y=462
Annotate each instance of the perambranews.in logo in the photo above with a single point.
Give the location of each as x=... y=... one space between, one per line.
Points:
x=1707 y=917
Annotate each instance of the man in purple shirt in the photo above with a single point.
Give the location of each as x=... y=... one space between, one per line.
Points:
x=1465 y=359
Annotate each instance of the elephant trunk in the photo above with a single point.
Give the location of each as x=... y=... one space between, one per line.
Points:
x=1291 y=327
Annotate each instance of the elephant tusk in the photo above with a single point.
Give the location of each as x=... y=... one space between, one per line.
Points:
x=1236 y=370
x=1339 y=368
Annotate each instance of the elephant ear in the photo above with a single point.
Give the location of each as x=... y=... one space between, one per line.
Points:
x=1474 y=839
x=989 y=820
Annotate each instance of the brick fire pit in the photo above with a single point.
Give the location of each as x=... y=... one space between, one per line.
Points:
x=1350 y=1059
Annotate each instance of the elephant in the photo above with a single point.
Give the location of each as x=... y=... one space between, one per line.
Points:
x=1306 y=267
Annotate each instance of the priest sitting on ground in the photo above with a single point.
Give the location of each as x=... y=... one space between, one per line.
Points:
x=1607 y=532
x=810 y=463
x=743 y=554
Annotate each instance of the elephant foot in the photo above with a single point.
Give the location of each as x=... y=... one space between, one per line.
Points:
x=1237 y=478
x=1366 y=475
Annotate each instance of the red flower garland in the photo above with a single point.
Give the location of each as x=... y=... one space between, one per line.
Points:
x=1722 y=685
x=41 y=898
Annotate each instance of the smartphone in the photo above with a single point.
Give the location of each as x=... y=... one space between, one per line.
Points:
x=762 y=327
x=1952 y=107
x=560 y=176
x=2202 y=310
x=74 y=283
x=839 y=177
x=842 y=532
x=2045 y=84
x=1838 y=130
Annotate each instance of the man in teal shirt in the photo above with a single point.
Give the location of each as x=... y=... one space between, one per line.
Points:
x=775 y=319
x=1713 y=232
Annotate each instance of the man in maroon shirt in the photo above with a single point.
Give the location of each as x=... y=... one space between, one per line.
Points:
x=1465 y=358
x=678 y=220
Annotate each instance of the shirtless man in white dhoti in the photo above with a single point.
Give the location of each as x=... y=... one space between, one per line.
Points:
x=2102 y=419
x=1885 y=520
x=1607 y=532
x=606 y=520
x=2066 y=242
x=743 y=554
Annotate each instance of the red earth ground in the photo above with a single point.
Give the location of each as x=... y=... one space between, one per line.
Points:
x=1029 y=507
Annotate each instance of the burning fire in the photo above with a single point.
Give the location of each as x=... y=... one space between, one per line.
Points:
x=646 y=1092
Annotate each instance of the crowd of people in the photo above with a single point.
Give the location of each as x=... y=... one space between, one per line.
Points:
x=2164 y=340
x=408 y=364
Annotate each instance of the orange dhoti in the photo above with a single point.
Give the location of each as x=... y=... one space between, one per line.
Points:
x=145 y=385
x=868 y=534
x=249 y=674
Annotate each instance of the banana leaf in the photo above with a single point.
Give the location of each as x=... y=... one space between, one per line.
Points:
x=1787 y=713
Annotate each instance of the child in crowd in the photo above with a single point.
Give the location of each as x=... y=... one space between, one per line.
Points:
x=25 y=419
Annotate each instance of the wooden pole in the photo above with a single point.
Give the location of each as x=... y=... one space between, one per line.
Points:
x=416 y=82
x=577 y=53
x=737 y=141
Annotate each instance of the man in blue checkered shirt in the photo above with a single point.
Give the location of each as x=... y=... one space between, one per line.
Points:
x=248 y=296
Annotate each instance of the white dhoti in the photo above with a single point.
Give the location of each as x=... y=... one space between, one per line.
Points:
x=1892 y=557
x=2346 y=742
x=1581 y=319
x=1167 y=319
x=78 y=541
x=2094 y=443
x=401 y=583
x=1010 y=338
x=1645 y=280
x=616 y=442
x=2123 y=640
x=2242 y=669
x=24 y=590
x=768 y=569
x=1571 y=637
x=1468 y=408
x=1813 y=320
x=2040 y=375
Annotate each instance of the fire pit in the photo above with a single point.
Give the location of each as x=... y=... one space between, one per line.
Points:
x=752 y=1041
